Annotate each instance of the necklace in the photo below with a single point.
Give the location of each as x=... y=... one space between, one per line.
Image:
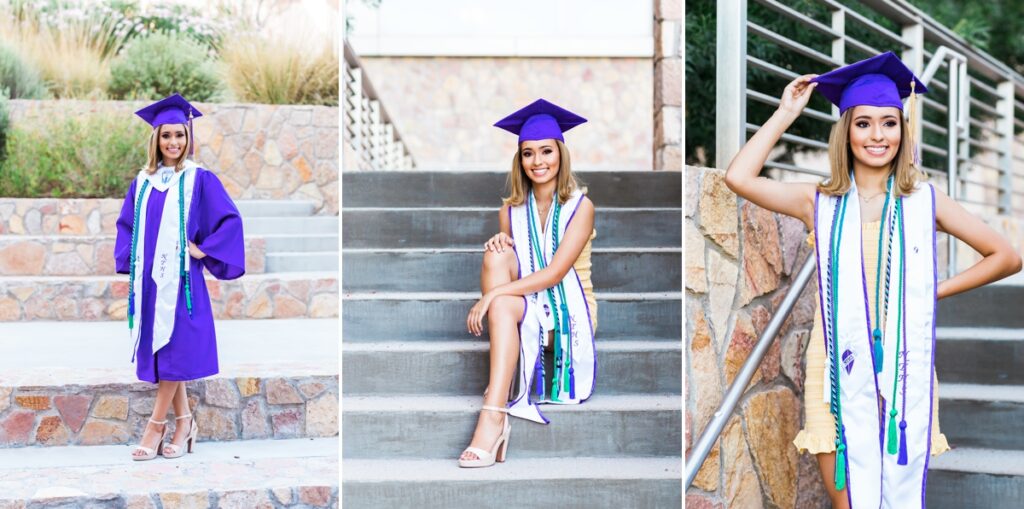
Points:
x=867 y=199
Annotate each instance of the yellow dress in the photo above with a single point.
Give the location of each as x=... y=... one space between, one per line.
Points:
x=582 y=266
x=818 y=435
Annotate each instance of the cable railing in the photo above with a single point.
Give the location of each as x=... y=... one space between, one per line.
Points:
x=974 y=110
x=369 y=132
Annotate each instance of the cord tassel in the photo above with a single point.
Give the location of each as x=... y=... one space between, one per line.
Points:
x=878 y=350
x=538 y=375
x=840 y=477
x=902 y=459
x=572 y=384
x=891 y=446
x=565 y=319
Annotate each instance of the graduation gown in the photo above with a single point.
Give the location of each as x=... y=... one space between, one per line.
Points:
x=215 y=226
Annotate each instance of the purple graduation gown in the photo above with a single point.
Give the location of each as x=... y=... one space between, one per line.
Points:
x=215 y=226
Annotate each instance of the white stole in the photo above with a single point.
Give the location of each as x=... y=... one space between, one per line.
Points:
x=537 y=321
x=166 y=262
x=874 y=478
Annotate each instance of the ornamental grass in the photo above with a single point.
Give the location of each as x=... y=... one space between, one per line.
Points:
x=281 y=69
x=72 y=57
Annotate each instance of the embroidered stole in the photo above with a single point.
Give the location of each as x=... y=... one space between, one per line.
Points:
x=167 y=263
x=575 y=339
x=879 y=474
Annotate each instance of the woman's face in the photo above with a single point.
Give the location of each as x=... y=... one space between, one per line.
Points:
x=875 y=135
x=172 y=141
x=540 y=160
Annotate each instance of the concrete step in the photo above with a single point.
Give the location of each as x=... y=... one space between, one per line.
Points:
x=485 y=189
x=985 y=306
x=972 y=477
x=89 y=298
x=470 y=227
x=84 y=255
x=78 y=387
x=980 y=355
x=285 y=242
x=461 y=367
x=424 y=270
x=442 y=316
x=254 y=473
x=632 y=425
x=987 y=416
x=519 y=482
x=290 y=225
x=275 y=208
x=310 y=261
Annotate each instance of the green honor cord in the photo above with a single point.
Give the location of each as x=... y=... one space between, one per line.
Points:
x=876 y=334
x=135 y=243
x=181 y=256
x=837 y=407
x=892 y=444
x=561 y=322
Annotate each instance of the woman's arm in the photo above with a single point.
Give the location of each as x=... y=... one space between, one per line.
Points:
x=569 y=249
x=792 y=199
x=999 y=259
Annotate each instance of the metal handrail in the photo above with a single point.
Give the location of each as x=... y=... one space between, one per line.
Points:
x=700 y=450
x=381 y=146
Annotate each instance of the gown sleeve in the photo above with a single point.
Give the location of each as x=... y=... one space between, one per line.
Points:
x=220 y=230
x=123 y=242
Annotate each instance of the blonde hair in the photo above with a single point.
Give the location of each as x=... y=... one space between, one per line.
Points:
x=153 y=157
x=840 y=158
x=518 y=184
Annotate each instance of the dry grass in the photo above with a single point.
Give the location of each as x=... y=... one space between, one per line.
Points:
x=73 y=58
x=280 y=70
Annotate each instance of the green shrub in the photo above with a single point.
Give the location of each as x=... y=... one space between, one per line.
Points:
x=282 y=70
x=90 y=156
x=17 y=78
x=162 y=64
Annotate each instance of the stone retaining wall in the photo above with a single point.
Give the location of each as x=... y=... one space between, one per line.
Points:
x=102 y=298
x=225 y=409
x=258 y=151
x=740 y=260
x=84 y=255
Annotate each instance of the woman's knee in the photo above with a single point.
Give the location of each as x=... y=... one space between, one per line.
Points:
x=506 y=308
x=494 y=260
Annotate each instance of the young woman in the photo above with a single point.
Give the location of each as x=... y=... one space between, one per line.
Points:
x=536 y=284
x=176 y=221
x=870 y=399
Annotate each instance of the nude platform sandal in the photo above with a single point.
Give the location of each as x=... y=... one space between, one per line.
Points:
x=497 y=452
x=150 y=453
x=172 y=450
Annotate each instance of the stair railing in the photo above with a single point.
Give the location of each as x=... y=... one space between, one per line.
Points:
x=369 y=131
x=700 y=450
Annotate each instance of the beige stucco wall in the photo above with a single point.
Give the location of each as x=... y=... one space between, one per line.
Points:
x=444 y=108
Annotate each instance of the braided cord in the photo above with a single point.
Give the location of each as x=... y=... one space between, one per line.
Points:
x=892 y=443
x=835 y=403
x=134 y=250
x=181 y=256
x=876 y=333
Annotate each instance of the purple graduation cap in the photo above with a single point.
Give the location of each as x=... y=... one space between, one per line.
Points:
x=540 y=120
x=173 y=109
x=881 y=80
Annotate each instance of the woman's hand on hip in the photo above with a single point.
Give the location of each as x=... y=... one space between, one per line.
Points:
x=194 y=251
x=794 y=99
x=498 y=243
x=475 y=320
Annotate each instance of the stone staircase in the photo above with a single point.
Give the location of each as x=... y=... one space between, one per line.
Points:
x=413 y=376
x=979 y=359
x=70 y=405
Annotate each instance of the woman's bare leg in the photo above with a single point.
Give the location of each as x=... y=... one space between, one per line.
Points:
x=503 y=328
x=826 y=464
x=181 y=426
x=151 y=436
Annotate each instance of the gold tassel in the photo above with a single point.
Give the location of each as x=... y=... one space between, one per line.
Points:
x=912 y=113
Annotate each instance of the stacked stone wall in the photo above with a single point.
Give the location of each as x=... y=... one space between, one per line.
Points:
x=740 y=261
x=258 y=151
